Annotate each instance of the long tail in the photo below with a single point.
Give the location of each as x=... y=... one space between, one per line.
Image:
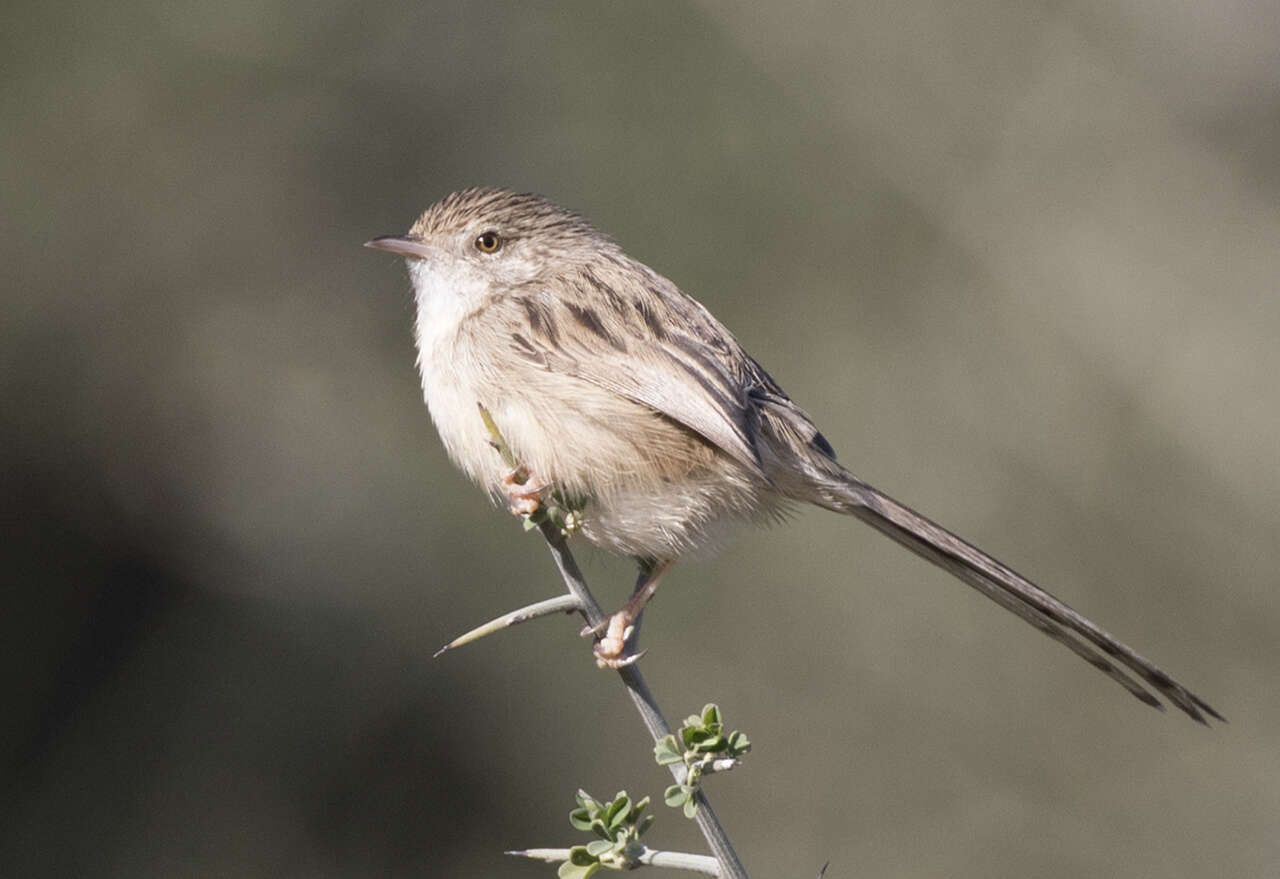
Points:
x=839 y=490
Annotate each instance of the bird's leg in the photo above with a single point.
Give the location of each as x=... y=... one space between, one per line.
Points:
x=523 y=491
x=617 y=633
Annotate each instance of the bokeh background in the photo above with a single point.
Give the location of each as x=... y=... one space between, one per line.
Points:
x=1019 y=259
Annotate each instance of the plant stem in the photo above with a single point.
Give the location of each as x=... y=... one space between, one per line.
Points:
x=649 y=857
x=730 y=866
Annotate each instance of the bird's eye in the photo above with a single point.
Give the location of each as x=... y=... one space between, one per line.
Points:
x=488 y=242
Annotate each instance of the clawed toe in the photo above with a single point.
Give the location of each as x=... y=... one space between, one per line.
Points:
x=618 y=662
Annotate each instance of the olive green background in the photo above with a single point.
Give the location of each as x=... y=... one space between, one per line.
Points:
x=1019 y=260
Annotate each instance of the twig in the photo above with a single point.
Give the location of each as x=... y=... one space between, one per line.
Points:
x=730 y=866
x=652 y=857
x=559 y=604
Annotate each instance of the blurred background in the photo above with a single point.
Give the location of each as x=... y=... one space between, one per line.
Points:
x=1018 y=259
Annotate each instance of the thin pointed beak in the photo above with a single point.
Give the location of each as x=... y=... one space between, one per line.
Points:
x=410 y=248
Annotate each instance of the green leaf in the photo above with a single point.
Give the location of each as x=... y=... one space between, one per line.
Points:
x=529 y=524
x=690 y=807
x=599 y=829
x=618 y=811
x=579 y=866
x=710 y=744
x=638 y=808
x=597 y=847
x=739 y=743
x=666 y=751
x=675 y=795
x=580 y=856
x=642 y=827
x=710 y=713
x=580 y=819
x=573 y=871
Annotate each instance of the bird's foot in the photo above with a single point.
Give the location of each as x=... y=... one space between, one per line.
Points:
x=524 y=493
x=613 y=635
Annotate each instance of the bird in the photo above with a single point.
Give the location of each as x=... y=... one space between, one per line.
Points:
x=612 y=386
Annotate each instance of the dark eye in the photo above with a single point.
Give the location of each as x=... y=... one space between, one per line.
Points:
x=488 y=242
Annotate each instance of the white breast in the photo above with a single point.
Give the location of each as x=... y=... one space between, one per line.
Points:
x=444 y=299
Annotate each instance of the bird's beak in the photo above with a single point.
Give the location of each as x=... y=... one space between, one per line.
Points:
x=410 y=248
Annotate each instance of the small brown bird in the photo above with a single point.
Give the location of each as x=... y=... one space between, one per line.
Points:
x=612 y=386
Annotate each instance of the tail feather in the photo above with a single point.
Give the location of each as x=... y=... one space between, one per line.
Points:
x=844 y=493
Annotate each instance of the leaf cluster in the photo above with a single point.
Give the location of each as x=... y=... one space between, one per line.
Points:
x=703 y=747
x=565 y=514
x=618 y=824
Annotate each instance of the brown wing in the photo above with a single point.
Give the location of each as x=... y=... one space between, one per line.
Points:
x=651 y=344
